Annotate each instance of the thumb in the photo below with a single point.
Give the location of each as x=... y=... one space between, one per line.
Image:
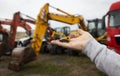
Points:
x=80 y=31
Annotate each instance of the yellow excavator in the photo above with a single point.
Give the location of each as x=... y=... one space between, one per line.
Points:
x=23 y=55
x=97 y=30
x=59 y=33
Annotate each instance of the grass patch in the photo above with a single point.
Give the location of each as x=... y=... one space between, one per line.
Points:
x=54 y=65
x=43 y=68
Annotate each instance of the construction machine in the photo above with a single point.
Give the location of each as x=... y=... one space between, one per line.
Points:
x=97 y=30
x=62 y=34
x=4 y=37
x=8 y=43
x=23 y=55
x=61 y=31
x=57 y=34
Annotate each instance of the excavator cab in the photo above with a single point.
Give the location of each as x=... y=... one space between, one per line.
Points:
x=66 y=30
x=61 y=32
x=97 y=29
x=4 y=43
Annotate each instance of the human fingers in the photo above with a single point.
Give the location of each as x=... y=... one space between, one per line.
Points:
x=63 y=44
x=72 y=39
x=80 y=31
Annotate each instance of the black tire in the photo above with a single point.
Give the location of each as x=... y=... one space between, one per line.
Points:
x=59 y=50
x=44 y=49
x=72 y=52
x=53 y=50
x=20 y=44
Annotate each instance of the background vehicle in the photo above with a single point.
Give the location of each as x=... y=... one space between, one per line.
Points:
x=58 y=34
x=62 y=31
x=113 y=26
x=23 y=55
x=4 y=37
x=10 y=43
x=97 y=30
x=25 y=40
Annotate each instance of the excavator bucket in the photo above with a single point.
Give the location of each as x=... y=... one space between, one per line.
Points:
x=21 y=56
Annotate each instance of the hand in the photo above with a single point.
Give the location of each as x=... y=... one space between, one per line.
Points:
x=75 y=43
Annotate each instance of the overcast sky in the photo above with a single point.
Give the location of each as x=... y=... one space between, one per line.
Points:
x=89 y=9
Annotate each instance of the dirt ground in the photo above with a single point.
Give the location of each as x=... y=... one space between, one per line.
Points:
x=53 y=65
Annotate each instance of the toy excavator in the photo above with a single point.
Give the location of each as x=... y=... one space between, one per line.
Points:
x=23 y=55
x=59 y=33
x=8 y=42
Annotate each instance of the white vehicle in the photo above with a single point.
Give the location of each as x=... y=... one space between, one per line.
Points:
x=24 y=41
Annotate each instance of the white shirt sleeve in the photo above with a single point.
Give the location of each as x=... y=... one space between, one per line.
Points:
x=105 y=59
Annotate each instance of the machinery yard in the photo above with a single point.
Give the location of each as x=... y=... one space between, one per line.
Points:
x=43 y=50
x=53 y=65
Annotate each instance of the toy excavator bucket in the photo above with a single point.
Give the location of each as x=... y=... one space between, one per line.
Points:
x=20 y=56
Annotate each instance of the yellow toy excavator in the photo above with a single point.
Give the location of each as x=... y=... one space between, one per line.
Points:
x=23 y=55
